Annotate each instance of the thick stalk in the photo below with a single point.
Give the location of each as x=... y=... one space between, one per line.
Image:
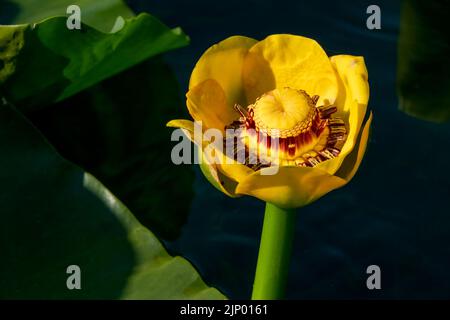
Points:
x=274 y=253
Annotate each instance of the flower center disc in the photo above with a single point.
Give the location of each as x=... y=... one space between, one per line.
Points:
x=287 y=114
x=284 y=110
x=286 y=124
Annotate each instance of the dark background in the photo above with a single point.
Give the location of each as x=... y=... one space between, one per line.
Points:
x=395 y=211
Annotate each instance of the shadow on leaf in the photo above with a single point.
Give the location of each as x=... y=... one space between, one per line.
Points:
x=116 y=131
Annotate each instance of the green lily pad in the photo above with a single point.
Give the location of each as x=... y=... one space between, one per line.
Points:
x=101 y=15
x=54 y=215
x=54 y=63
x=115 y=130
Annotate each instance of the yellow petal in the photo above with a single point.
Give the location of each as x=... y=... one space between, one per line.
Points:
x=209 y=169
x=206 y=102
x=291 y=187
x=229 y=167
x=233 y=170
x=182 y=124
x=223 y=63
x=284 y=60
x=236 y=171
x=215 y=177
x=352 y=71
x=352 y=102
x=353 y=160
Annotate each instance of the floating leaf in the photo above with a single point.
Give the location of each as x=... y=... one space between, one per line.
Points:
x=55 y=215
x=55 y=63
x=101 y=15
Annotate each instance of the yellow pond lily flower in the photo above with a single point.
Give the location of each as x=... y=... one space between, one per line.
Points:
x=286 y=87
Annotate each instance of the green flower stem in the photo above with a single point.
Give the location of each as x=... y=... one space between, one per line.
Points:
x=274 y=253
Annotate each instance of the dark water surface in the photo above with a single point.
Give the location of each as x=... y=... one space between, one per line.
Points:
x=395 y=213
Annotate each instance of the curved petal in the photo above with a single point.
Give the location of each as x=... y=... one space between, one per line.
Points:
x=215 y=177
x=291 y=187
x=209 y=169
x=352 y=103
x=223 y=63
x=352 y=72
x=353 y=160
x=284 y=60
x=182 y=124
x=236 y=171
x=206 y=102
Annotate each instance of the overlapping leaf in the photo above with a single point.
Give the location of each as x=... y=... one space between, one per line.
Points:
x=55 y=215
x=51 y=63
x=102 y=15
x=119 y=139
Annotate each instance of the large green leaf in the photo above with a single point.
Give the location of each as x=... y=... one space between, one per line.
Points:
x=101 y=15
x=120 y=138
x=116 y=129
x=51 y=63
x=54 y=215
